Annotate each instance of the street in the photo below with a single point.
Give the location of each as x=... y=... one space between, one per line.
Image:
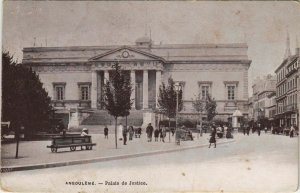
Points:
x=268 y=163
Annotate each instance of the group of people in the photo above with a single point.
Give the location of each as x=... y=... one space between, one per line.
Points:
x=123 y=131
x=215 y=129
x=158 y=133
x=291 y=131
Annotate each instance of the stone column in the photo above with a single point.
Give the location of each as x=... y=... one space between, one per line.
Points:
x=145 y=89
x=106 y=76
x=157 y=84
x=132 y=78
x=94 y=90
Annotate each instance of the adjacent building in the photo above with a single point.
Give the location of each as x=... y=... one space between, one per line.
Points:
x=264 y=89
x=74 y=76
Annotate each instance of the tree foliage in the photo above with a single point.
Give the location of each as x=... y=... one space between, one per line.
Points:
x=167 y=99
x=24 y=100
x=210 y=108
x=117 y=92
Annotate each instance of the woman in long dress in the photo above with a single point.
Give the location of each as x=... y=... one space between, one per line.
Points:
x=213 y=137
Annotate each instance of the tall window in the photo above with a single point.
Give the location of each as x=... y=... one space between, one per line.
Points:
x=59 y=90
x=230 y=92
x=84 y=90
x=204 y=91
x=231 y=88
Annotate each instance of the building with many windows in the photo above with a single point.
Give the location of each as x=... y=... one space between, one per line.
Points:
x=287 y=89
x=74 y=76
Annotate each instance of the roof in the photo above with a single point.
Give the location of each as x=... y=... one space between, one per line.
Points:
x=286 y=61
x=170 y=52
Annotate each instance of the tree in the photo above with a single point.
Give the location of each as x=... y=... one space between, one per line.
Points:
x=117 y=94
x=199 y=105
x=210 y=108
x=24 y=100
x=167 y=100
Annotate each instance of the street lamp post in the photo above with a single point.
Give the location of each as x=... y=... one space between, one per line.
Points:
x=177 y=89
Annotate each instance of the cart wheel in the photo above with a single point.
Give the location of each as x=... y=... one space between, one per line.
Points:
x=53 y=149
x=73 y=148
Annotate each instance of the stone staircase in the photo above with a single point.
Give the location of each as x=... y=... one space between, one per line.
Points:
x=101 y=117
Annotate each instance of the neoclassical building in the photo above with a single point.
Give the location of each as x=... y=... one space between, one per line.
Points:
x=74 y=76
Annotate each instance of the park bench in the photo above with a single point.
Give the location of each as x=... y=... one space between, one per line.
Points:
x=72 y=142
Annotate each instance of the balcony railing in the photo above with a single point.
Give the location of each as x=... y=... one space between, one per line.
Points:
x=291 y=72
x=63 y=103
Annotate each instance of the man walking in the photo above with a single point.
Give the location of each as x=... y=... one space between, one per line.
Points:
x=149 y=131
x=258 y=129
x=124 y=132
x=105 y=132
x=248 y=130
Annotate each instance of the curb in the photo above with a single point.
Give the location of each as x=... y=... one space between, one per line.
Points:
x=98 y=159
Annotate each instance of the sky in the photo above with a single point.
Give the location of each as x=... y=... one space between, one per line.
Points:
x=262 y=25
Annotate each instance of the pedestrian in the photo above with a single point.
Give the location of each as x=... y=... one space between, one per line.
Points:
x=248 y=130
x=149 y=131
x=225 y=129
x=84 y=132
x=266 y=129
x=213 y=137
x=159 y=133
x=156 y=134
x=163 y=134
x=105 y=132
x=228 y=133
x=131 y=131
x=139 y=131
x=124 y=133
x=135 y=132
x=244 y=130
x=258 y=129
x=173 y=131
x=292 y=130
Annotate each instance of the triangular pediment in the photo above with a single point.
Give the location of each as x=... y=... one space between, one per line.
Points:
x=125 y=53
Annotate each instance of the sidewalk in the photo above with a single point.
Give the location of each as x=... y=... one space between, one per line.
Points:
x=35 y=152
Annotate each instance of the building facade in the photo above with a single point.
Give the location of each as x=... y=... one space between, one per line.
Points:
x=74 y=76
x=287 y=89
x=263 y=89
